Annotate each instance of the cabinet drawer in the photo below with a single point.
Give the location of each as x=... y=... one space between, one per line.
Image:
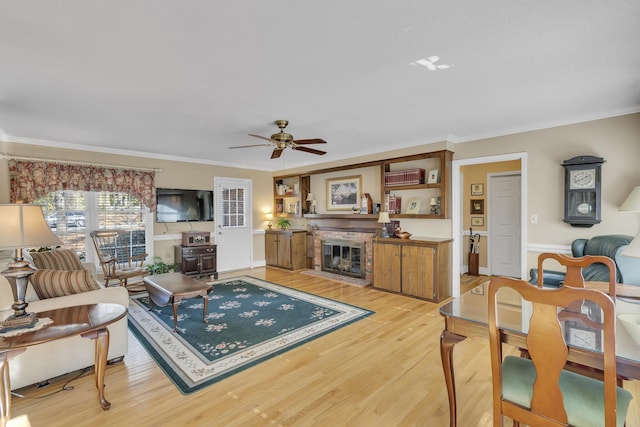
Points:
x=198 y=251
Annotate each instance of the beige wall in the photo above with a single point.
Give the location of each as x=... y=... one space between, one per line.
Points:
x=174 y=175
x=616 y=139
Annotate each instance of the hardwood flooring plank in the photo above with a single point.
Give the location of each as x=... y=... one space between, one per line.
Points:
x=384 y=370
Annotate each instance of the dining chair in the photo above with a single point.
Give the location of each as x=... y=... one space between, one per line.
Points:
x=574 y=266
x=538 y=391
x=117 y=261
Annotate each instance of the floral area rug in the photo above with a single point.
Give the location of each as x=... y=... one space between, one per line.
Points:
x=249 y=321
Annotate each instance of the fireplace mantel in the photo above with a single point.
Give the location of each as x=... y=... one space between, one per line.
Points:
x=367 y=223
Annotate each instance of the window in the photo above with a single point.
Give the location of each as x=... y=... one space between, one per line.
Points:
x=233 y=207
x=72 y=215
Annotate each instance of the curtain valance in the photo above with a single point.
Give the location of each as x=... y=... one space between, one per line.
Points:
x=31 y=180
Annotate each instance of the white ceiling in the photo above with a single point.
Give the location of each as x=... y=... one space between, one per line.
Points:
x=186 y=80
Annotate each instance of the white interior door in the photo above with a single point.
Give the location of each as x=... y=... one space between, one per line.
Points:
x=233 y=223
x=504 y=224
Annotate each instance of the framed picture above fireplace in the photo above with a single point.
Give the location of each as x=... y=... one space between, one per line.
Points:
x=343 y=193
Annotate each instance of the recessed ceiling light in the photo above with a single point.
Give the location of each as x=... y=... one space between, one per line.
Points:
x=430 y=63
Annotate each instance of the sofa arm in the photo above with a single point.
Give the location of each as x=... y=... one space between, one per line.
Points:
x=550 y=277
x=115 y=294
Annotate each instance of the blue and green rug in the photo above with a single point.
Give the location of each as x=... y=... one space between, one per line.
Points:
x=249 y=320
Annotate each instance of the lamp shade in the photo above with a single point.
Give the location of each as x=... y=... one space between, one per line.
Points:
x=310 y=197
x=383 y=218
x=24 y=226
x=632 y=202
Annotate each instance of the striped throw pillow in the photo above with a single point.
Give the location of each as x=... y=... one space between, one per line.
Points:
x=59 y=259
x=58 y=283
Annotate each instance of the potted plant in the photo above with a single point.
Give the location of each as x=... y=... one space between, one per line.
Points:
x=283 y=223
x=159 y=266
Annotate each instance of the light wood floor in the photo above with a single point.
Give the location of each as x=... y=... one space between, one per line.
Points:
x=384 y=370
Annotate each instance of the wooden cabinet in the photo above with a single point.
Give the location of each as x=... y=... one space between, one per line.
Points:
x=386 y=267
x=196 y=260
x=419 y=268
x=286 y=249
x=310 y=251
x=435 y=185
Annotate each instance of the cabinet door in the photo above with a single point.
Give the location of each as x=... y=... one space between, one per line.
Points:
x=271 y=248
x=386 y=267
x=190 y=264
x=417 y=271
x=284 y=251
x=208 y=263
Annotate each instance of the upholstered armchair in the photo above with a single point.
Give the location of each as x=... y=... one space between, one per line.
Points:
x=628 y=269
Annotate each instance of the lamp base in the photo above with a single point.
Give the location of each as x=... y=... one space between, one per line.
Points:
x=27 y=320
x=18 y=275
x=385 y=233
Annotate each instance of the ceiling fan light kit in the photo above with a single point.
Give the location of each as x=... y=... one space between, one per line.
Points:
x=283 y=140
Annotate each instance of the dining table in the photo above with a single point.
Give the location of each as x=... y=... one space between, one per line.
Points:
x=467 y=316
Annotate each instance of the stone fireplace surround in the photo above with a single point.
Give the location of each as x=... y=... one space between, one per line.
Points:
x=361 y=228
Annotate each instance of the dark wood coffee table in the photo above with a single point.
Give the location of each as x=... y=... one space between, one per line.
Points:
x=88 y=321
x=171 y=288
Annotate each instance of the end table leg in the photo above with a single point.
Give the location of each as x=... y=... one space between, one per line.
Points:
x=175 y=314
x=102 y=348
x=5 y=390
x=447 y=342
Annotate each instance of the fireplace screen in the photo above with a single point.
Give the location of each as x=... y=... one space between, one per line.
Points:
x=343 y=257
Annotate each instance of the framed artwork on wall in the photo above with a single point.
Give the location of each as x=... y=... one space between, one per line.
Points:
x=477 y=206
x=477 y=221
x=477 y=189
x=343 y=193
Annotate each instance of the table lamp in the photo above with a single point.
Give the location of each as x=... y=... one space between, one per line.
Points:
x=269 y=218
x=22 y=226
x=312 y=203
x=383 y=218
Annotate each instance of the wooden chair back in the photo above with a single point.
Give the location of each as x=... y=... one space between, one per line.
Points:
x=548 y=352
x=574 y=268
x=116 y=259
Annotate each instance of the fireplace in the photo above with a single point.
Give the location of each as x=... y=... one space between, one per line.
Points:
x=344 y=257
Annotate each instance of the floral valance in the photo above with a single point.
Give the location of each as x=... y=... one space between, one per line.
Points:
x=31 y=180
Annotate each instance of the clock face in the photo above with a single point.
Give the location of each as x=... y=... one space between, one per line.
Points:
x=583 y=178
x=582 y=338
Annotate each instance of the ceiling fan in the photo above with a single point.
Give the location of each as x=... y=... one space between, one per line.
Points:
x=282 y=140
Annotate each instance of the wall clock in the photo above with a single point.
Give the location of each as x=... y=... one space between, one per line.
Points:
x=583 y=338
x=582 y=182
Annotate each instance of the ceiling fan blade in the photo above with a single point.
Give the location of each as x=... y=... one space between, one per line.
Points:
x=276 y=153
x=309 y=150
x=254 y=145
x=310 y=141
x=260 y=136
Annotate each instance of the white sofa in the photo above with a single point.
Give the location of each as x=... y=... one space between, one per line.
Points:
x=51 y=359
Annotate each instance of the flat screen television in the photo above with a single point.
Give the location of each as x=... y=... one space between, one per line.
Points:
x=174 y=205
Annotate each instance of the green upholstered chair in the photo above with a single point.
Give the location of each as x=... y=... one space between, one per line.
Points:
x=539 y=391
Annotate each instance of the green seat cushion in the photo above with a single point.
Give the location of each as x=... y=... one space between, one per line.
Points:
x=583 y=396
